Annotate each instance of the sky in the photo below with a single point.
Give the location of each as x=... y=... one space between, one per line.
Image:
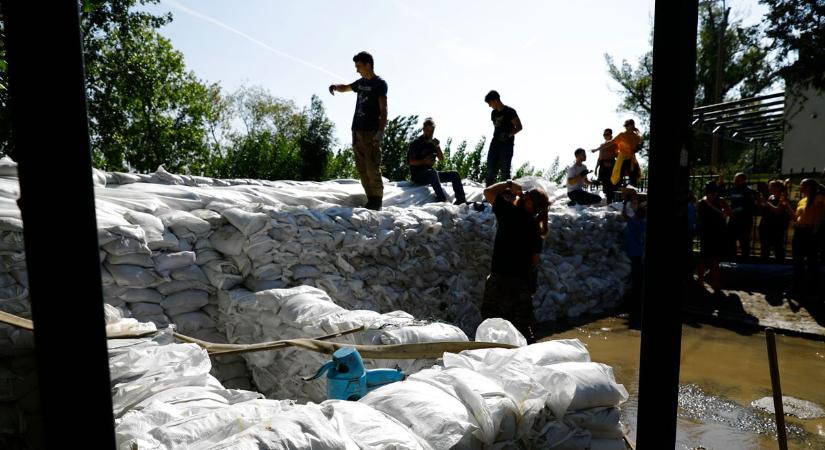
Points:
x=439 y=58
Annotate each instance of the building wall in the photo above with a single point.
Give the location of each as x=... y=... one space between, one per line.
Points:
x=804 y=146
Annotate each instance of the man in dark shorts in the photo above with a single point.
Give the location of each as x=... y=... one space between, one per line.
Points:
x=604 y=165
x=421 y=157
x=507 y=124
x=368 y=125
x=521 y=219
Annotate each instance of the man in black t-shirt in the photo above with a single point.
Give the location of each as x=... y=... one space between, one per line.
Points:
x=521 y=219
x=368 y=125
x=421 y=157
x=506 y=124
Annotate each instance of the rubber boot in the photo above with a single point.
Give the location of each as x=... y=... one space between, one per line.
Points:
x=374 y=203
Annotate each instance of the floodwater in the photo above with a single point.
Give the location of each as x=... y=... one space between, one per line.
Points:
x=722 y=372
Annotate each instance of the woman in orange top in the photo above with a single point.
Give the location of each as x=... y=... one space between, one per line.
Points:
x=625 y=144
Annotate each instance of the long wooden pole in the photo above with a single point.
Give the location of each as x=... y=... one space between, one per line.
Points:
x=776 y=387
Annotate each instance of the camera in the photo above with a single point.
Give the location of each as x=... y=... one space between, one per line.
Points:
x=584 y=172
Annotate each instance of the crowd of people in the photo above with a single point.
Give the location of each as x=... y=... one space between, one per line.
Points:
x=725 y=219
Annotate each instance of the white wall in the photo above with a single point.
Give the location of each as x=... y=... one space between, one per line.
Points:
x=804 y=146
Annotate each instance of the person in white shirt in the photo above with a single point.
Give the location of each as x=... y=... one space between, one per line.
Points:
x=577 y=179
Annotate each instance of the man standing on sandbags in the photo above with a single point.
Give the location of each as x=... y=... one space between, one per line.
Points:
x=368 y=125
x=421 y=158
x=521 y=219
x=507 y=124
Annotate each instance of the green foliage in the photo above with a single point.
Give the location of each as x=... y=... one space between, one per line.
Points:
x=342 y=165
x=746 y=71
x=555 y=173
x=470 y=165
x=398 y=134
x=797 y=29
x=746 y=67
x=315 y=141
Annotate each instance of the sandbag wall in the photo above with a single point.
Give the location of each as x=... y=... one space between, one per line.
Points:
x=171 y=244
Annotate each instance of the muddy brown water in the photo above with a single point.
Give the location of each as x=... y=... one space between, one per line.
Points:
x=722 y=372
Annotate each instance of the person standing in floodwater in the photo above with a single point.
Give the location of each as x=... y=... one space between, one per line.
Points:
x=506 y=125
x=521 y=227
x=368 y=125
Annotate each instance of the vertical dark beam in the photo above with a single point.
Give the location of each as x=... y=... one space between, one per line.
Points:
x=666 y=257
x=51 y=137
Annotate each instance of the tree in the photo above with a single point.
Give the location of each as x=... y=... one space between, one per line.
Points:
x=316 y=141
x=469 y=165
x=341 y=165
x=798 y=32
x=746 y=71
x=746 y=67
x=398 y=134
x=554 y=173
x=145 y=108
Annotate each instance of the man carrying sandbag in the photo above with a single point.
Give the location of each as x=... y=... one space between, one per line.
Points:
x=522 y=225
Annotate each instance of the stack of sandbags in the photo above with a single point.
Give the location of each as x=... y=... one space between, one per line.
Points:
x=308 y=312
x=169 y=243
x=164 y=397
x=590 y=416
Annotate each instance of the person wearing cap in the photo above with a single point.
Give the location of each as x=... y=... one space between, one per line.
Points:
x=625 y=144
x=368 y=125
x=521 y=227
x=604 y=165
x=421 y=158
x=506 y=125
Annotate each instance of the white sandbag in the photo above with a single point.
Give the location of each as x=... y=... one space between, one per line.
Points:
x=189 y=273
x=602 y=423
x=134 y=259
x=214 y=218
x=496 y=413
x=141 y=295
x=129 y=327
x=371 y=428
x=432 y=414
x=556 y=351
x=139 y=373
x=500 y=331
x=111 y=314
x=166 y=262
x=175 y=286
x=595 y=385
x=184 y=302
x=247 y=222
x=151 y=225
x=533 y=386
x=228 y=240
x=133 y=276
x=431 y=332
x=189 y=323
x=186 y=224
x=222 y=274
x=140 y=310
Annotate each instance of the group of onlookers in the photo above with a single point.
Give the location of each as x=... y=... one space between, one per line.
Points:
x=725 y=219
